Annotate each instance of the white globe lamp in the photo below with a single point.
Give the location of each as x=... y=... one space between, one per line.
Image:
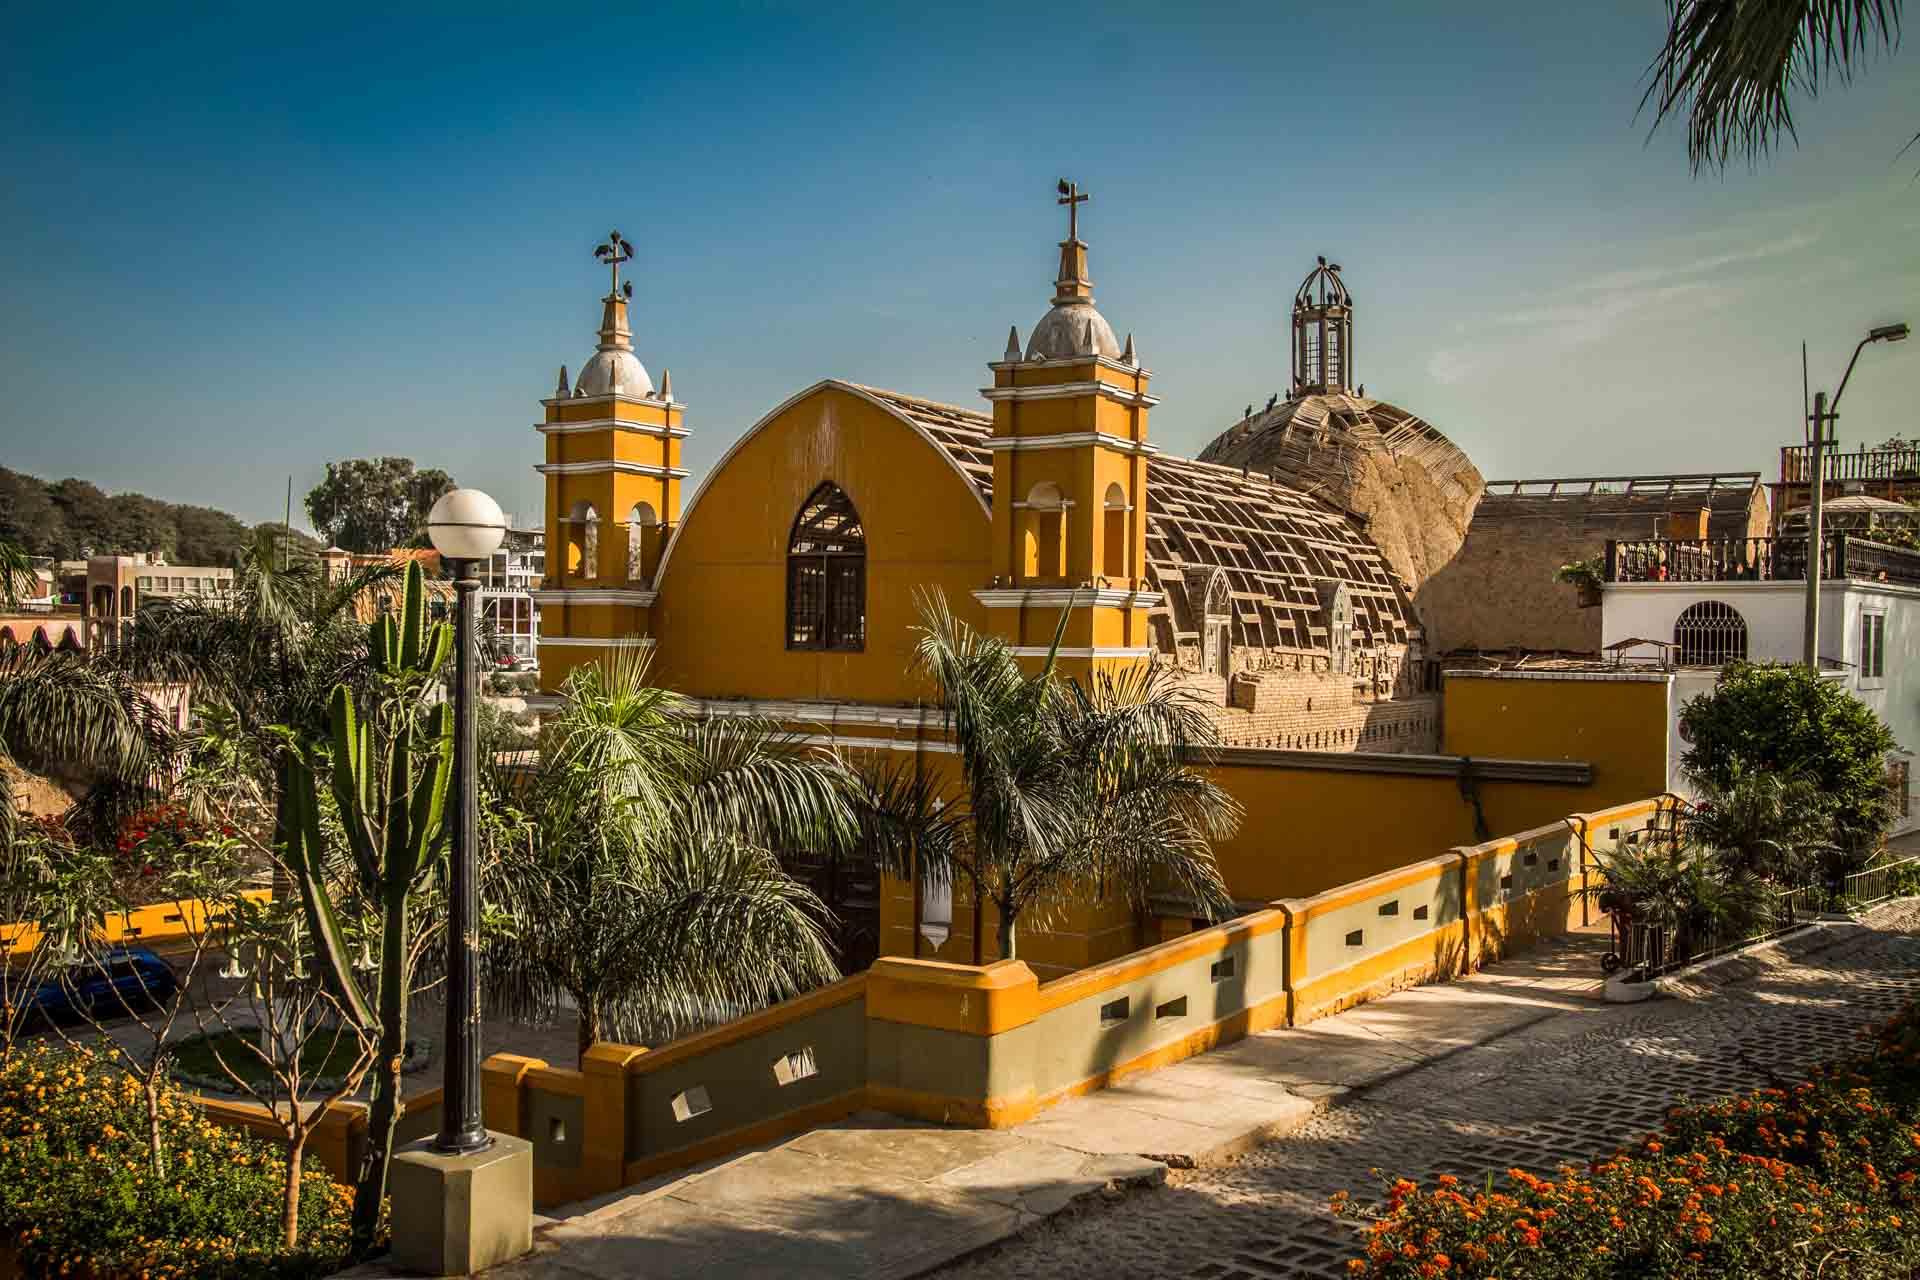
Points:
x=466 y=524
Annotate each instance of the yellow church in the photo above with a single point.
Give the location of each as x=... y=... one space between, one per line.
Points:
x=784 y=583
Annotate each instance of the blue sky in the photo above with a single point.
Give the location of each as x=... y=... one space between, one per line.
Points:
x=238 y=243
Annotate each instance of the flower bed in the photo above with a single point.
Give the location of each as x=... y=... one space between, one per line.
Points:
x=1816 y=1181
x=78 y=1196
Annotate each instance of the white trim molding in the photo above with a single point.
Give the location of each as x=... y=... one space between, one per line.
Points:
x=1104 y=362
x=612 y=464
x=1097 y=651
x=1065 y=597
x=638 y=598
x=825 y=713
x=598 y=642
x=1071 y=440
x=615 y=397
x=616 y=424
x=1073 y=391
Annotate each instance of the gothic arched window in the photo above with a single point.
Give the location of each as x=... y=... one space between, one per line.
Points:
x=827 y=574
x=1710 y=634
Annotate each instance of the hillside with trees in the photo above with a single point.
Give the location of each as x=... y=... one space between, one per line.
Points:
x=66 y=518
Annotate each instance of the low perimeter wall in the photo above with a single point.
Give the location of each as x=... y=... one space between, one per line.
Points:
x=992 y=1046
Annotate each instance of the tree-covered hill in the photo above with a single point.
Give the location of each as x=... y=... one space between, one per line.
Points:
x=62 y=518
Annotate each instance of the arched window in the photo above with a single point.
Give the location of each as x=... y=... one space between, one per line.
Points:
x=640 y=526
x=1218 y=611
x=1710 y=634
x=1046 y=532
x=583 y=541
x=126 y=602
x=1114 y=562
x=827 y=574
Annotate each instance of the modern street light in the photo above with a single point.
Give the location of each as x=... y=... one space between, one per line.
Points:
x=467 y=527
x=1824 y=415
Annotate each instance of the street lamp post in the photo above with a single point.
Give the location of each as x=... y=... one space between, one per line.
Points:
x=1823 y=417
x=466 y=527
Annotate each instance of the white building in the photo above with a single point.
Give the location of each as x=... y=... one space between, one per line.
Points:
x=507 y=583
x=1714 y=601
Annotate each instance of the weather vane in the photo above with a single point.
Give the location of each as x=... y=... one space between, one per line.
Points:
x=1073 y=197
x=614 y=252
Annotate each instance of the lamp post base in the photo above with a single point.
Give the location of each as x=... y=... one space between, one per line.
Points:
x=454 y=1215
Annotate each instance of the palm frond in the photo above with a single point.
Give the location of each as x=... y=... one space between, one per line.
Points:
x=1734 y=66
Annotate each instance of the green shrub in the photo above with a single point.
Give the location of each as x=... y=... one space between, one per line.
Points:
x=1816 y=1181
x=78 y=1193
x=1787 y=720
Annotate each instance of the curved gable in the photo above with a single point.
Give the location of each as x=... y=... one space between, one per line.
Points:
x=720 y=617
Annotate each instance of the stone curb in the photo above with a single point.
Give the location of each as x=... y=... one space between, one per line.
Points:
x=1699 y=980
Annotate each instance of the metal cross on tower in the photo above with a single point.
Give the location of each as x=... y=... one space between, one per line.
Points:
x=1073 y=197
x=614 y=252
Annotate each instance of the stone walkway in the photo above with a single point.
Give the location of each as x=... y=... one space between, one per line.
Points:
x=1221 y=1166
x=1563 y=1087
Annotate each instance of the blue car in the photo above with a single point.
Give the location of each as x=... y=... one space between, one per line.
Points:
x=123 y=979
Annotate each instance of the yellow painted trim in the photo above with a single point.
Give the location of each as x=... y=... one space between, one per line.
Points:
x=1156 y=959
x=558 y=1080
x=845 y=991
x=157 y=922
x=953 y=997
x=1386 y=882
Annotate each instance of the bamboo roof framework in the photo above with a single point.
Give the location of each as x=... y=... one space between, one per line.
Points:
x=1274 y=544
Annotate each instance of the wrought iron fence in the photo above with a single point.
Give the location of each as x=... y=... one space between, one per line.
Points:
x=1901 y=462
x=1654 y=949
x=1878 y=883
x=1842 y=555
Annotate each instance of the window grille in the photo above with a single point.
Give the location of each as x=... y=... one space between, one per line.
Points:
x=827 y=574
x=1710 y=634
x=1899 y=787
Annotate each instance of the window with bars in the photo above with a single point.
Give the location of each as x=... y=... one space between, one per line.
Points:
x=1710 y=634
x=827 y=574
x=1899 y=790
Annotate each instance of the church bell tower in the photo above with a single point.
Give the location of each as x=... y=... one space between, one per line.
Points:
x=613 y=479
x=1070 y=479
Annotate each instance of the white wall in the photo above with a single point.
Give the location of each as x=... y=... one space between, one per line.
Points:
x=1775 y=614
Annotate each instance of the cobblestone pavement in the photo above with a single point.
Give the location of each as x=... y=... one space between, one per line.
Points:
x=1564 y=1089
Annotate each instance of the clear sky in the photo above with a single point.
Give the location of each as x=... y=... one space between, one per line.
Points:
x=237 y=243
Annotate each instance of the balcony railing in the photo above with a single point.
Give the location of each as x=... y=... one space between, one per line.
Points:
x=1758 y=560
x=1902 y=463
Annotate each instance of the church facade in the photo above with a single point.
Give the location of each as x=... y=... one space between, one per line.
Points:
x=787 y=583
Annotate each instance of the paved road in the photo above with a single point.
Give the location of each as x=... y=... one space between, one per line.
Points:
x=1566 y=1088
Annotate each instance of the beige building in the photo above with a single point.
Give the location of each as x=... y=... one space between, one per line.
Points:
x=118 y=587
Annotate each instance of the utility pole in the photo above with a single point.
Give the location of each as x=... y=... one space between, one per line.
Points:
x=1823 y=416
x=1819 y=420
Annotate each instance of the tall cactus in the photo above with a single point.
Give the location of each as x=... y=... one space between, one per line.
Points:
x=389 y=774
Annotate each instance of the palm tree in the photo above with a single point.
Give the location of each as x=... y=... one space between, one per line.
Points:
x=1064 y=785
x=264 y=658
x=63 y=714
x=16 y=571
x=1732 y=66
x=645 y=884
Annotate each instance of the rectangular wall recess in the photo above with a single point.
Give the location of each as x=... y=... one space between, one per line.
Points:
x=1506 y=882
x=556 y=1129
x=798 y=1065
x=1221 y=969
x=1357 y=938
x=1390 y=908
x=689 y=1103
x=1114 y=1012
x=1420 y=913
x=1176 y=1008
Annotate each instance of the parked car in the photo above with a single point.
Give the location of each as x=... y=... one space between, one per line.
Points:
x=123 y=978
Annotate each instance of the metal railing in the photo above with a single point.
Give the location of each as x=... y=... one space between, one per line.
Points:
x=1654 y=949
x=1842 y=555
x=1877 y=883
x=1903 y=463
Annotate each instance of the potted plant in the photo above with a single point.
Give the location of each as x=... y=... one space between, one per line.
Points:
x=1585 y=575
